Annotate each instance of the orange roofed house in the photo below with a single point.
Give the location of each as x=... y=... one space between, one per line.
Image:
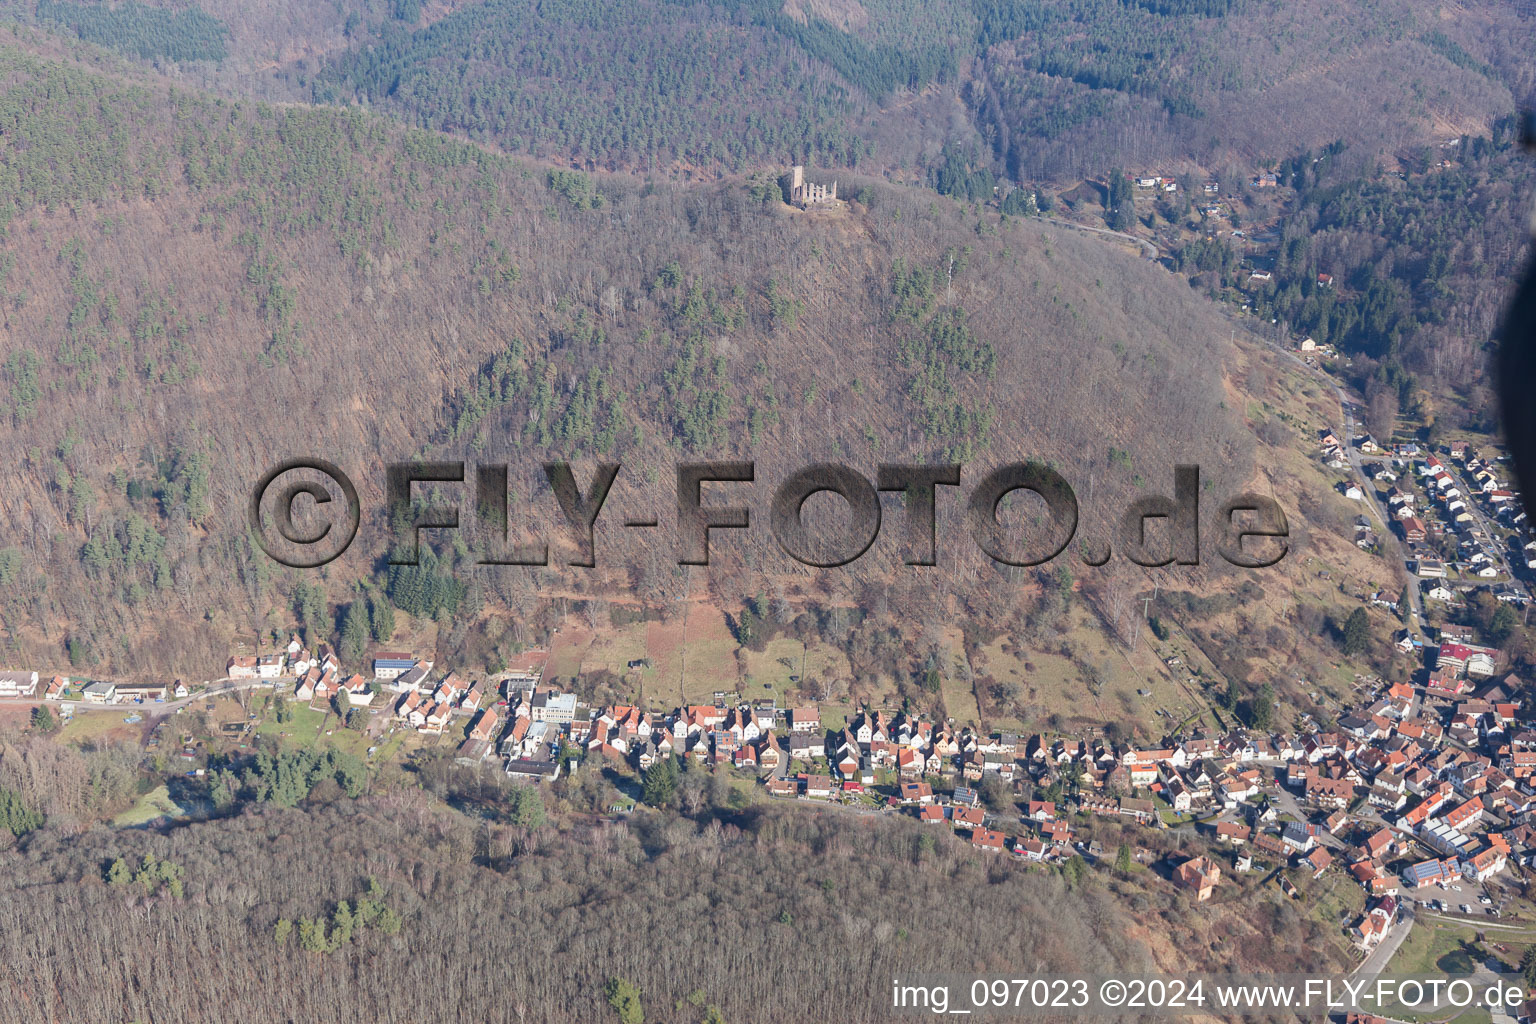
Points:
x=1199 y=875
x=986 y=839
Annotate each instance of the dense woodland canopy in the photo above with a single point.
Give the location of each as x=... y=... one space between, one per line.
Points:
x=1050 y=91
x=1414 y=267
x=771 y=892
x=1069 y=90
x=395 y=908
x=574 y=78
x=143 y=31
x=1419 y=265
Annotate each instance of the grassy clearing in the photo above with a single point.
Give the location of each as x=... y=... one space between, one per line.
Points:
x=1433 y=950
x=710 y=664
x=154 y=804
x=301 y=729
x=102 y=725
x=1333 y=900
x=663 y=645
x=343 y=739
x=1056 y=691
x=959 y=701
x=568 y=651
x=768 y=671
x=614 y=648
x=397 y=744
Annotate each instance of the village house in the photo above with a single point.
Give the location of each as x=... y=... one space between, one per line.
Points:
x=412 y=678
x=1430 y=872
x=805 y=719
x=1233 y=832
x=1198 y=875
x=358 y=691
x=1270 y=843
x=241 y=668
x=18 y=684
x=1485 y=864
x=1374 y=924
x=436 y=718
x=549 y=706
x=987 y=839
x=1030 y=849
x=100 y=693
x=1317 y=861
x=484 y=728
x=389 y=665
x=806 y=746
x=769 y=754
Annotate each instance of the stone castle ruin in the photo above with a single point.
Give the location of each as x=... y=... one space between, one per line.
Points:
x=802 y=193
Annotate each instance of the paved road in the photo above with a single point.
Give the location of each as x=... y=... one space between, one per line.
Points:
x=1378 y=511
x=1473 y=921
x=1486 y=973
x=82 y=707
x=1485 y=526
x=215 y=688
x=152 y=711
x=1146 y=247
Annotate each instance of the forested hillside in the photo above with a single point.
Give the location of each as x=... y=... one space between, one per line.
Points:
x=1053 y=91
x=1406 y=273
x=1074 y=89
x=651 y=82
x=1047 y=92
x=1420 y=271
x=194 y=287
x=392 y=908
x=151 y=33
